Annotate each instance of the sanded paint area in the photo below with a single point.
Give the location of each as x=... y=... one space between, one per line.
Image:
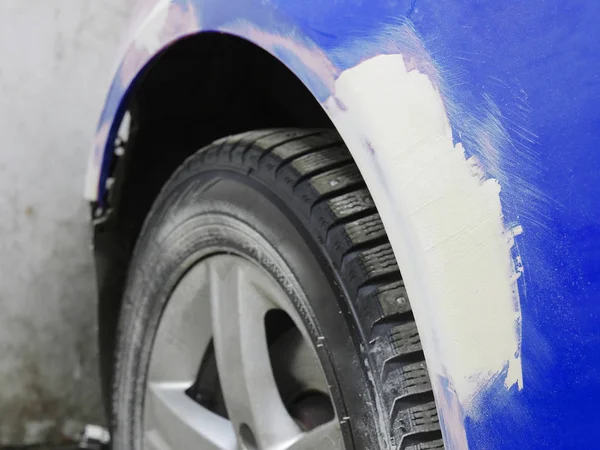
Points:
x=445 y=220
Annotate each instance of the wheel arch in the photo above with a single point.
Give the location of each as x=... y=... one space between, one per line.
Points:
x=196 y=90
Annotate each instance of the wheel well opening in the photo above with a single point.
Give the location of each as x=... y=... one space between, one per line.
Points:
x=197 y=90
x=200 y=89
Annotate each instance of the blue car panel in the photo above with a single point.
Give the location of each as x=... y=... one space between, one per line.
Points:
x=513 y=338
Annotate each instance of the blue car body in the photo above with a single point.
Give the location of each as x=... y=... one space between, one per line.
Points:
x=493 y=211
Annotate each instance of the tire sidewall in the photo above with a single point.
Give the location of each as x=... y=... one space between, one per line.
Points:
x=227 y=212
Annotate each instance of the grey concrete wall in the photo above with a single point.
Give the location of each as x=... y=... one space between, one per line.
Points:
x=55 y=62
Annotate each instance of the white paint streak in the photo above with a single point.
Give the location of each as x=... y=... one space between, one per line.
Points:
x=444 y=219
x=148 y=36
x=92 y=174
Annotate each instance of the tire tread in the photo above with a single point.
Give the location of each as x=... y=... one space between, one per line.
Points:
x=317 y=170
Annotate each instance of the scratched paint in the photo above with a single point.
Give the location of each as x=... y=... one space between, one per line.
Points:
x=518 y=125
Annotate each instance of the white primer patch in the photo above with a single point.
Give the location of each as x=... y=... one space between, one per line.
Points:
x=444 y=220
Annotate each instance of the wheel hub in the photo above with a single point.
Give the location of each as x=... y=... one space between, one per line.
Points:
x=231 y=338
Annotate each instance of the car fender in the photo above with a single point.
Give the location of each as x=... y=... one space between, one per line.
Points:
x=458 y=116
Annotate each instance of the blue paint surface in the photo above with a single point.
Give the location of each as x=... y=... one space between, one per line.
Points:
x=530 y=71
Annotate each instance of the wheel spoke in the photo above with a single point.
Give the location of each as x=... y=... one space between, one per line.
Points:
x=328 y=435
x=249 y=388
x=184 y=331
x=174 y=421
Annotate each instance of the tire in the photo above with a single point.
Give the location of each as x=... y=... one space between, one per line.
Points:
x=301 y=194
